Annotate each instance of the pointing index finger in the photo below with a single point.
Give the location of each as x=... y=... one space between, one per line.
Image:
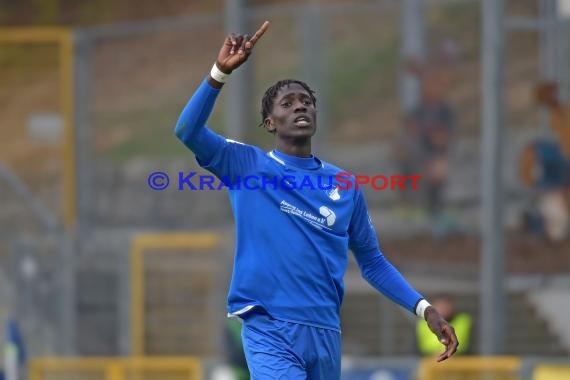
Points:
x=259 y=32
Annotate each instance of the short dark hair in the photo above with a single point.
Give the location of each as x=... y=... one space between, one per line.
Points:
x=271 y=94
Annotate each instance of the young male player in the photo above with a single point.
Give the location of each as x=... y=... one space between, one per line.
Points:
x=292 y=238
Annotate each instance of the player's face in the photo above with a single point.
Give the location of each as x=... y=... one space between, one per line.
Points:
x=294 y=114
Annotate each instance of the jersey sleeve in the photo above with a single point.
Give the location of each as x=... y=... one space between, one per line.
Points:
x=227 y=159
x=374 y=266
x=231 y=161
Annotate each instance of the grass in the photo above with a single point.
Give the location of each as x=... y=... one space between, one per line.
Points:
x=352 y=69
x=146 y=132
x=363 y=66
x=354 y=62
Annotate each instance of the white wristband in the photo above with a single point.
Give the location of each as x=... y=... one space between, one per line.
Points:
x=218 y=75
x=421 y=308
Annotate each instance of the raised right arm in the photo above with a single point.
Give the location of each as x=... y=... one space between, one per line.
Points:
x=191 y=126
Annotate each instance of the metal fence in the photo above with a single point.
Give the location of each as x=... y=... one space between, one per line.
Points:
x=131 y=82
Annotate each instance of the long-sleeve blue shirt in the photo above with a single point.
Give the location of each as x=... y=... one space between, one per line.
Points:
x=294 y=227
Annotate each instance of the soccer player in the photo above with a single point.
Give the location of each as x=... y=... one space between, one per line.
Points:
x=292 y=238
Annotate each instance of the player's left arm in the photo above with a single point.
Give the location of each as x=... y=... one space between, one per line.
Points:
x=384 y=277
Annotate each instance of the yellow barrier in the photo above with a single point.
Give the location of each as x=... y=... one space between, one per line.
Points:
x=551 y=372
x=64 y=39
x=136 y=368
x=471 y=368
x=160 y=241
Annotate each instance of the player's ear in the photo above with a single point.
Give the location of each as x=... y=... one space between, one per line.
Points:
x=269 y=125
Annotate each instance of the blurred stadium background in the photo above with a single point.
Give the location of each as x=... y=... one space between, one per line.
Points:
x=108 y=279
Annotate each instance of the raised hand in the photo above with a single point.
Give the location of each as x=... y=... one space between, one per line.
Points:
x=237 y=49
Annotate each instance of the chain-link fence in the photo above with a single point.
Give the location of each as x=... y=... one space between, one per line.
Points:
x=131 y=82
x=137 y=78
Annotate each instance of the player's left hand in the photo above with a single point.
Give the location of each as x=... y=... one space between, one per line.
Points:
x=444 y=332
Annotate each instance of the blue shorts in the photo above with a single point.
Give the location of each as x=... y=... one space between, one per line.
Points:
x=276 y=349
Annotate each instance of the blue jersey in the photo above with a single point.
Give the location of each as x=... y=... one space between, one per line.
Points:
x=294 y=227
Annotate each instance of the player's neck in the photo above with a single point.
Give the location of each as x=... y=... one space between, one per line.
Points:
x=297 y=149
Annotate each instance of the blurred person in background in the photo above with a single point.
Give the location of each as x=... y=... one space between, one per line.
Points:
x=428 y=132
x=542 y=170
x=548 y=96
x=234 y=366
x=235 y=357
x=427 y=345
x=292 y=243
x=545 y=169
x=15 y=357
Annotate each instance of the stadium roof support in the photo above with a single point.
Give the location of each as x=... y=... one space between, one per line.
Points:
x=413 y=36
x=492 y=255
x=240 y=92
